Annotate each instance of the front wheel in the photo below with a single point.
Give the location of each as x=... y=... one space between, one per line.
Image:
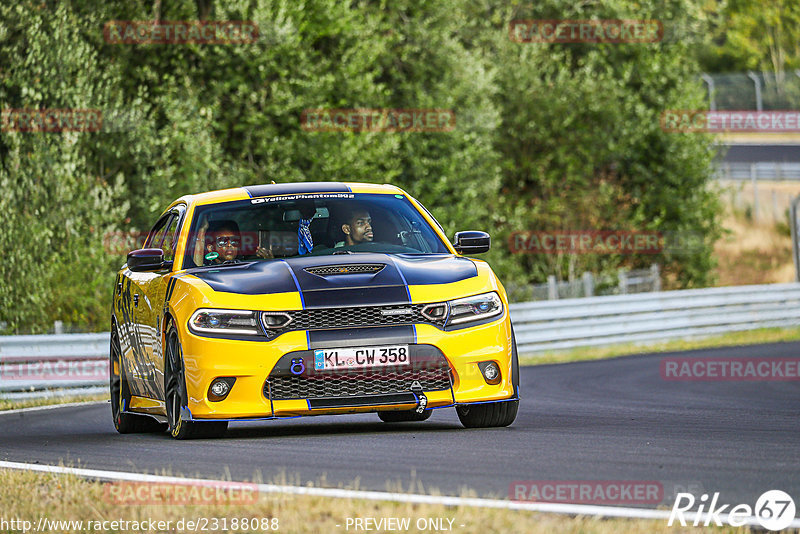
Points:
x=176 y=396
x=493 y=414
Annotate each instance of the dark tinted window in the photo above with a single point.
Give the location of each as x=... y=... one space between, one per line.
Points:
x=274 y=227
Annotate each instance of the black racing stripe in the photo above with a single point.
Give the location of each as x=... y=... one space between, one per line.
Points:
x=434 y=269
x=387 y=286
x=357 y=296
x=248 y=279
x=384 y=287
x=357 y=337
x=296 y=188
x=170 y=288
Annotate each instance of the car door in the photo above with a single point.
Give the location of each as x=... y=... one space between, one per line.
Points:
x=140 y=373
x=154 y=290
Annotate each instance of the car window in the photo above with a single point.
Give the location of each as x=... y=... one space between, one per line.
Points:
x=156 y=235
x=168 y=243
x=316 y=224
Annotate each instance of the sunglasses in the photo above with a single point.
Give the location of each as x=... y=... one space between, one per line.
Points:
x=228 y=241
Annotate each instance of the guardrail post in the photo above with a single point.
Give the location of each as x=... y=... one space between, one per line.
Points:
x=795 y=248
x=552 y=287
x=757 y=82
x=655 y=272
x=622 y=276
x=754 y=180
x=712 y=104
x=58 y=327
x=588 y=284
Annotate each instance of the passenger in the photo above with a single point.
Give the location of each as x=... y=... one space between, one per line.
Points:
x=217 y=242
x=357 y=229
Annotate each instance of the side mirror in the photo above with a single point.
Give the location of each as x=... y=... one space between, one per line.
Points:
x=147 y=259
x=472 y=242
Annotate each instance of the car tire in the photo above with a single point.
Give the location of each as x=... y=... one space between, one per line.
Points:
x=493 y=414
x=176 y=396
x=125 y=423
x=403 y=416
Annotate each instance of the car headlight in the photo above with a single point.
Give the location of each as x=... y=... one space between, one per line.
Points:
x=225 y=322
x=475 y=308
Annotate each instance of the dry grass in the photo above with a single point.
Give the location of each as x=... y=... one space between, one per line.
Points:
x=29 y=496
x=756 y=252
x=7 y=404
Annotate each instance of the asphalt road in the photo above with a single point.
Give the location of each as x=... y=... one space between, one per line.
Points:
x=605 y=420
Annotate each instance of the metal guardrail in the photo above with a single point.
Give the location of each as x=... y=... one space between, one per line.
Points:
x=539 y=327
x=753 y=90
x=762 y=170
x=663 y=316
x=589 y=285
x=31 y=365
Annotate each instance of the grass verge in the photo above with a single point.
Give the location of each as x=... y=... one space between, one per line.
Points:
x=9 y=404
x=30 y=496
x=749 y=337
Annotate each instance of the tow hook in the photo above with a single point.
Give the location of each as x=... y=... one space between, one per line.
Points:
x=416 y=388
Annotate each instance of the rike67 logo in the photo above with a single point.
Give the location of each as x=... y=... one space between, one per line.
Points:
x=774 y=510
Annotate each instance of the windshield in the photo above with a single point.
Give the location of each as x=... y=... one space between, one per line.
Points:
x=308 y=224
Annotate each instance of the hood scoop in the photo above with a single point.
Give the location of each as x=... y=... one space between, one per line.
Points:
x=332 y=270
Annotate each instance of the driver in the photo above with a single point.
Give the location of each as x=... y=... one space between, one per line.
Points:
x=358 y=228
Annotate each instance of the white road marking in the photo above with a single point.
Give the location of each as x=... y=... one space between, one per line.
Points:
x=556 y=508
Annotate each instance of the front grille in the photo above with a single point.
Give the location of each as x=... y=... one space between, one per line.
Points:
x=431 y=377
x=392 y=315
x=328 y=270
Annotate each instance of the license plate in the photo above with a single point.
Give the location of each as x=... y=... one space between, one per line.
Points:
x=361 y=357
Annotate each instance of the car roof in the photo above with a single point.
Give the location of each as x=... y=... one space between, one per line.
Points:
x=267 y=190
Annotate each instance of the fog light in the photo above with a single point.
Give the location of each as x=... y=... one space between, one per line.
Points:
x=491 y=372
x=219 y=389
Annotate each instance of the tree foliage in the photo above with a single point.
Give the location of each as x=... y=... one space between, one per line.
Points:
x=548 y=136
x=758 y=35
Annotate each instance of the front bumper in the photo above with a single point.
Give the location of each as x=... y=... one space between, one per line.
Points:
x=253 y=363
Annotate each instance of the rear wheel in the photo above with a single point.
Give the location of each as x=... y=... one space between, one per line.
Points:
x=125 y=423
x=492 y=414
x=404 y=415
x=176 y=396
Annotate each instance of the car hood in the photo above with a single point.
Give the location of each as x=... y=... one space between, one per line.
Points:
x=340 y=280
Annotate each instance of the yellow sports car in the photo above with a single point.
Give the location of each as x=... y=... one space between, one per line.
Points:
x=285 y=300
